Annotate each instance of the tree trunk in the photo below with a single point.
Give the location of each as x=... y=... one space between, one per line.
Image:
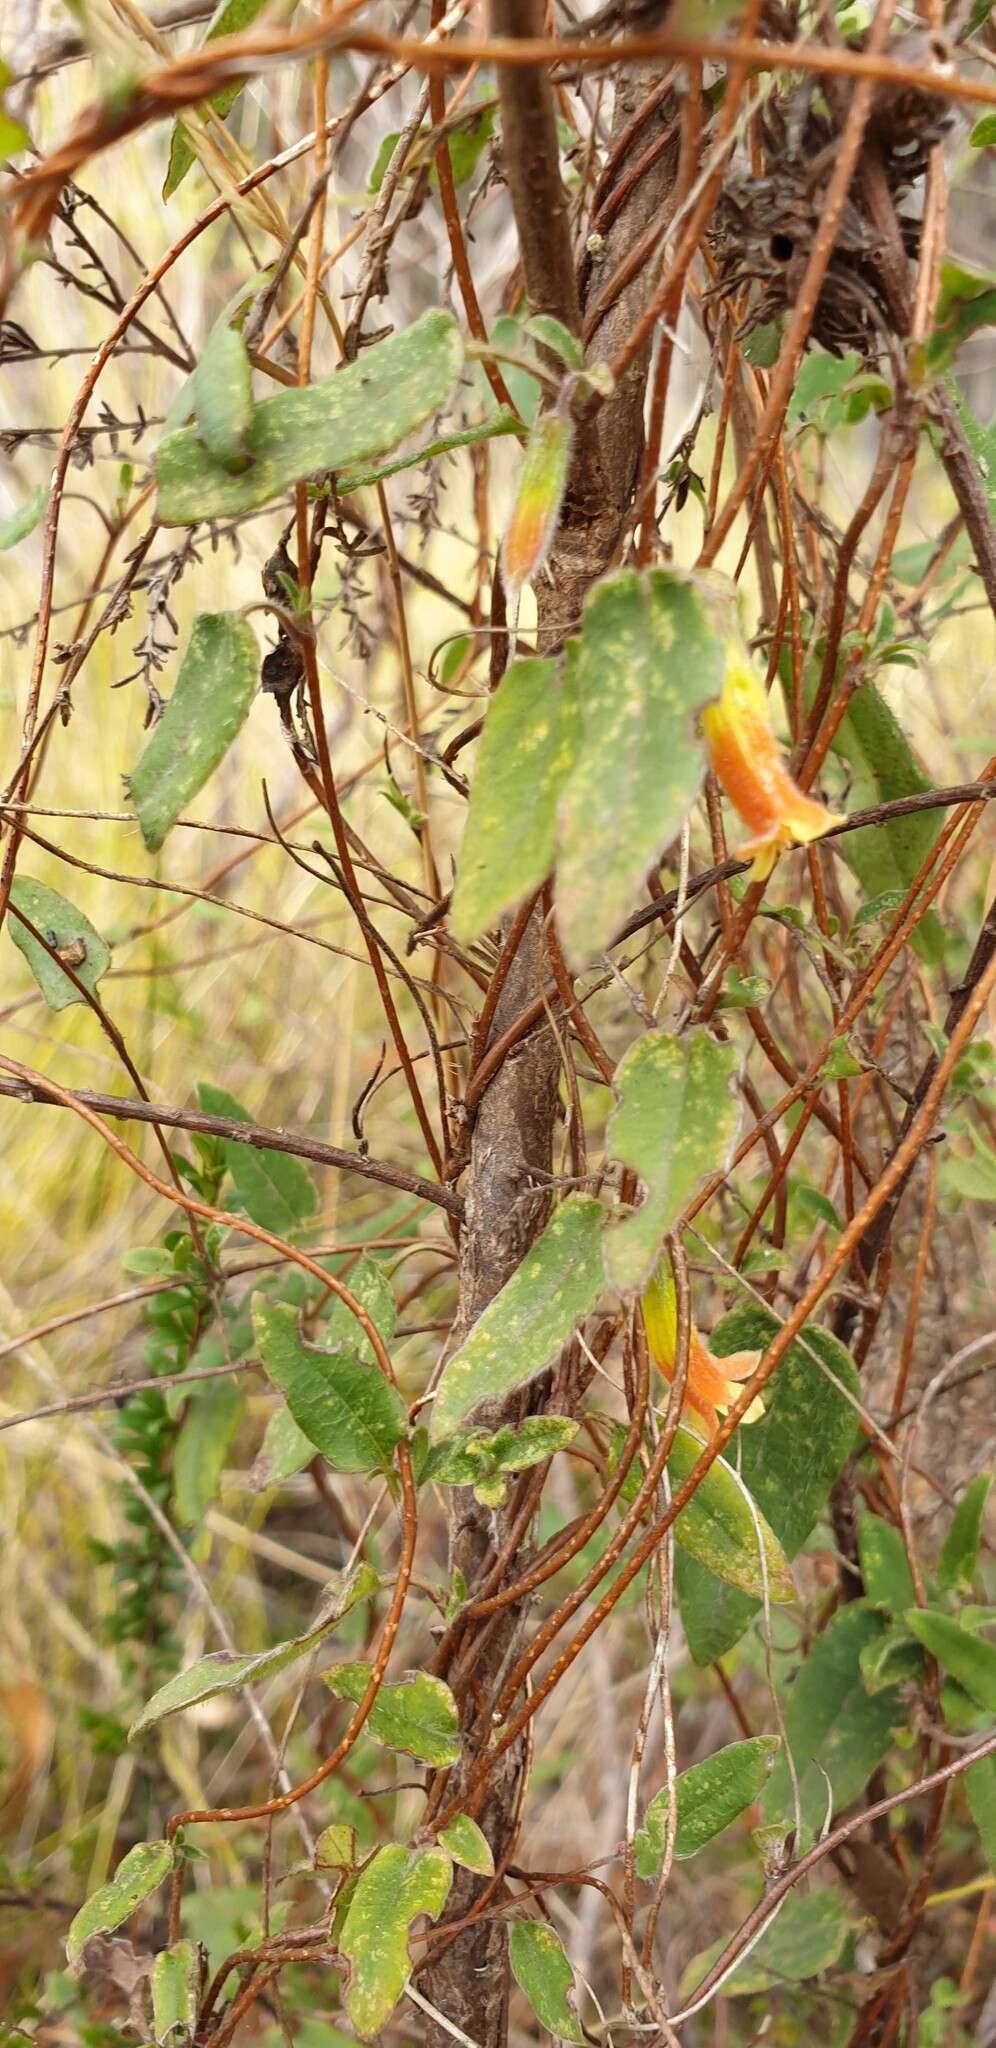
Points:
x=507 y=1185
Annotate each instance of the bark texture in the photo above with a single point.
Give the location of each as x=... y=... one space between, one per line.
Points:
x=507 y=1183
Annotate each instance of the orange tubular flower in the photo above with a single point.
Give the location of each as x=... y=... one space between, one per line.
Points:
x=711 y=1386
x=749 y=766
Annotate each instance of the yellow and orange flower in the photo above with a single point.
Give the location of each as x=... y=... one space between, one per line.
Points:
x=711 y=1386
x=749 y=767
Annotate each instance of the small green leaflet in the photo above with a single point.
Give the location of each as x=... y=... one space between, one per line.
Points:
x=395 y=1886
x=542 y=1971
x=524 y=1328
x=806 y=1937
x=209 y=704
x=959 y=1557
x=718 y=1528
x=347 y=1408
x=980 y=1785
x=645 y=663
x=140 y=1873
x=472 y=1458
x=675 y=1120
x=966 y=300
x=17 y=525
x=884 y=767
x=981 y=441
x=465 y=1842
x=708 y=1797
x=176 y=1983
x=418 y=1715
x=335 y=1848
x=884 y=1565
x=222 y=396
x=509 y=839
x=274 y=1188
x=212 y=1416
x=67 y=931
x=284 y=1450
x=228 y=19
x=968 y=1658
x=227 y=1671
x=834 y=1728
x=365 y=409
x=788 y=1461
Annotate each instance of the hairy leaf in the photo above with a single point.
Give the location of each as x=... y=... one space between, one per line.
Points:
x=806 y=1937
x=67 y=931
x=542 y=1971
x=418 y=1715
x=960 y=1554
x=967 y=1657
x=465 y=1842
x=833 y=1726
x=222 y=396
x=138 y=1874
x=522 y=1330
x=718 y=1528
x=348 y=1409
x=397 y=1885
x=227 y=1671
x=176 y=1980
x=646 y=661
x=884 y=1565
x=708 y=1797
x=212 y=1416
x=366 y=408
x=509 y=839
x=274 y=1188
x=675 y=1120
x=884 y=767
x=213 y=692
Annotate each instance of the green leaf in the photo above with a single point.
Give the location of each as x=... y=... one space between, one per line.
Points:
x=67 y=931
x=366 y=408
x=176 y=1984
x=228 y=19
x=465 y=1842
x=840 y=1065
x=542 y=1971
x=229 y=1670
x=524 y=1328
x=13 y=136
x=222 y=396
x=708 y=1797
x=273 y=1187
x=675 y=1121
x=19 y=524
x=820 y=377
x=335 y=1848
x=348 y=1409
x=140 y=1873
x=959 y=1557
x=967 y=1657
x=473 y=1458
x=284 y=1450
x=718 y=1528
x=646 y=662
x=788 y=1460
x=832 y=1725
x=966 y=300
x=884 y=1565
x=418 y=1715
x=509 y=839
x=466 y=147
x=892 y=1659
x=209 y=705
x=806 y=1937
x=553 y=335
x=981 y=441
x=214 y=1409
x=398 y=1884
x=980 y=1785
x=983 y=135
x=973 y=1177
x=884 y=768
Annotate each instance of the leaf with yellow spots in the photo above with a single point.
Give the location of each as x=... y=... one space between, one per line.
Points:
x=674 y=1122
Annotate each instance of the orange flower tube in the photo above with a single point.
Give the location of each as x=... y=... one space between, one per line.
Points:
x=538 y=499
x=711 y=1386
x=749 y=768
